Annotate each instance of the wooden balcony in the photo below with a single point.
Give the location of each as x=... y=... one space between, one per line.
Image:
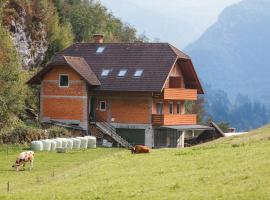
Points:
x=180 y=94
x=169 y=119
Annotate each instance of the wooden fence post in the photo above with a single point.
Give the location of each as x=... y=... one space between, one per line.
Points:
x=8 y=186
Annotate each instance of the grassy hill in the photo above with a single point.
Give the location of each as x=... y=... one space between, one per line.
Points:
x=229 y=168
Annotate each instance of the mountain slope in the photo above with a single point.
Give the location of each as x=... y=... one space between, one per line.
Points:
x=233 y=54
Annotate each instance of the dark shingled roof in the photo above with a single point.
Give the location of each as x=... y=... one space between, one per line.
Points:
x=156 y=60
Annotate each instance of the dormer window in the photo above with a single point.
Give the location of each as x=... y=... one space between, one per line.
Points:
x=138 y=73
x=122 y=72
x=105 y=72
x=63 y=80
x=100 y=49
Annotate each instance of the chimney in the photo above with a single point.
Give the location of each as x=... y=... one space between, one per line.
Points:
x=98 y=38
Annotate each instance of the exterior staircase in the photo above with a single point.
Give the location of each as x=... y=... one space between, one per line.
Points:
x=103 y=127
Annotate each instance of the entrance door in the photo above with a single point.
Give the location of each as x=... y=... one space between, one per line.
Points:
x=92 y=108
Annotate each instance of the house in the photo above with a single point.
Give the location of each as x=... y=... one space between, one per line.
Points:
x=133 y=92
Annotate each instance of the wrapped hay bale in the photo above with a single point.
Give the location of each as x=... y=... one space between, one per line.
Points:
x=58 y=142
x=69 y=143
x=84 y=142
x=36 y=145
x=92 y=141
x=46 y=145
x=64 y=142
x=76 y=143
x=53 y=145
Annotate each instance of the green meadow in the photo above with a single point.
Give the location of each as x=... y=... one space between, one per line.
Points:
x=228 y=168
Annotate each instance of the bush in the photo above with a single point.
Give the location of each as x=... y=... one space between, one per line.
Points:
x=22 y=134
x=25 y=134
x=56 y=131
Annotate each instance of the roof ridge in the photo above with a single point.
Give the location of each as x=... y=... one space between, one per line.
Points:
x=174 y=49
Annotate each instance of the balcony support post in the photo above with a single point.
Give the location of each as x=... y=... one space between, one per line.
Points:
x=181 y=139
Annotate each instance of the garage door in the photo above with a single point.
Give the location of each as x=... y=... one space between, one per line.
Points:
x=133 y=136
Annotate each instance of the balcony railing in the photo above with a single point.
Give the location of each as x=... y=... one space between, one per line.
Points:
x=169 y=119
x=180 y=94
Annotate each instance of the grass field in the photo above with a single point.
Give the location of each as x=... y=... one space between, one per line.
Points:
x=229 y=168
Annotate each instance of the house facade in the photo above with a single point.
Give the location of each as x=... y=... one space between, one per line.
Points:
x=134 y=92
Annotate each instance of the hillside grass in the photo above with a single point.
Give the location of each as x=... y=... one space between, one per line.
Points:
x=228 y=168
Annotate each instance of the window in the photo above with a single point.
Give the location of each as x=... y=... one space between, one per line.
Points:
x=159 y=108
x=171 y=107
x=102 y=105
x=105 y=72
x=122 y=72
x=100 y=49
x=178 y=108
x=138 y=73
x=63 y=80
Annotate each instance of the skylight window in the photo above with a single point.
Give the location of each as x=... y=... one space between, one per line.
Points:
x=100 y=49
x=105 y=72
x=122 y=72
x=138 y=73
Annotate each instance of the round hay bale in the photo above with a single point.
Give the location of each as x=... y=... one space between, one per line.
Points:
x=76 y=143
x=36 y=145
x=53 y=145
x=58 y=142
x=69 y=143
x=46 y=145
x=61 y=150
x=92 y=141
x=84 y=142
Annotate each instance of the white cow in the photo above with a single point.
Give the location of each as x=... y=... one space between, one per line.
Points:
x=26 y=156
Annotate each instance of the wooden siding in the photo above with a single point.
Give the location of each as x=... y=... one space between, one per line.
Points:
x=169 y=119
x=180 y=94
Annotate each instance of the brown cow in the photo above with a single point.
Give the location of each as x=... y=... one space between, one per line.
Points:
x=139 y=149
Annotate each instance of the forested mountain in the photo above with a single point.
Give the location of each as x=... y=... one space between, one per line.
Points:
x=39 y=28
x=31 y=31
x=232 y=57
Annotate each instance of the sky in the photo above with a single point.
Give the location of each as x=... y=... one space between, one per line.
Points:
x=178 y=22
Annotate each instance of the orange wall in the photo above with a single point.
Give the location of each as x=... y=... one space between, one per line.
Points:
x=54 y=73
x=126 y=109
x=130 y=111
x=74 y=89
x=65 y=109
x=63 y=103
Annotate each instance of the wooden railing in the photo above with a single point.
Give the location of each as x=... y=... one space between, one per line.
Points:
x=169 y=119
x=157 y=119
x=180 y=94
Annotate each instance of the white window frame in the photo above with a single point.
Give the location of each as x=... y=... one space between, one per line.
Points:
x=124 y=71
x=140 y=75
x=178 y=104
x=59 y=80
x=101 y=101
x=171 y=103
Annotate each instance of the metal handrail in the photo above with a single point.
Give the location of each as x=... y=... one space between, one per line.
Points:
x=111 y=130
